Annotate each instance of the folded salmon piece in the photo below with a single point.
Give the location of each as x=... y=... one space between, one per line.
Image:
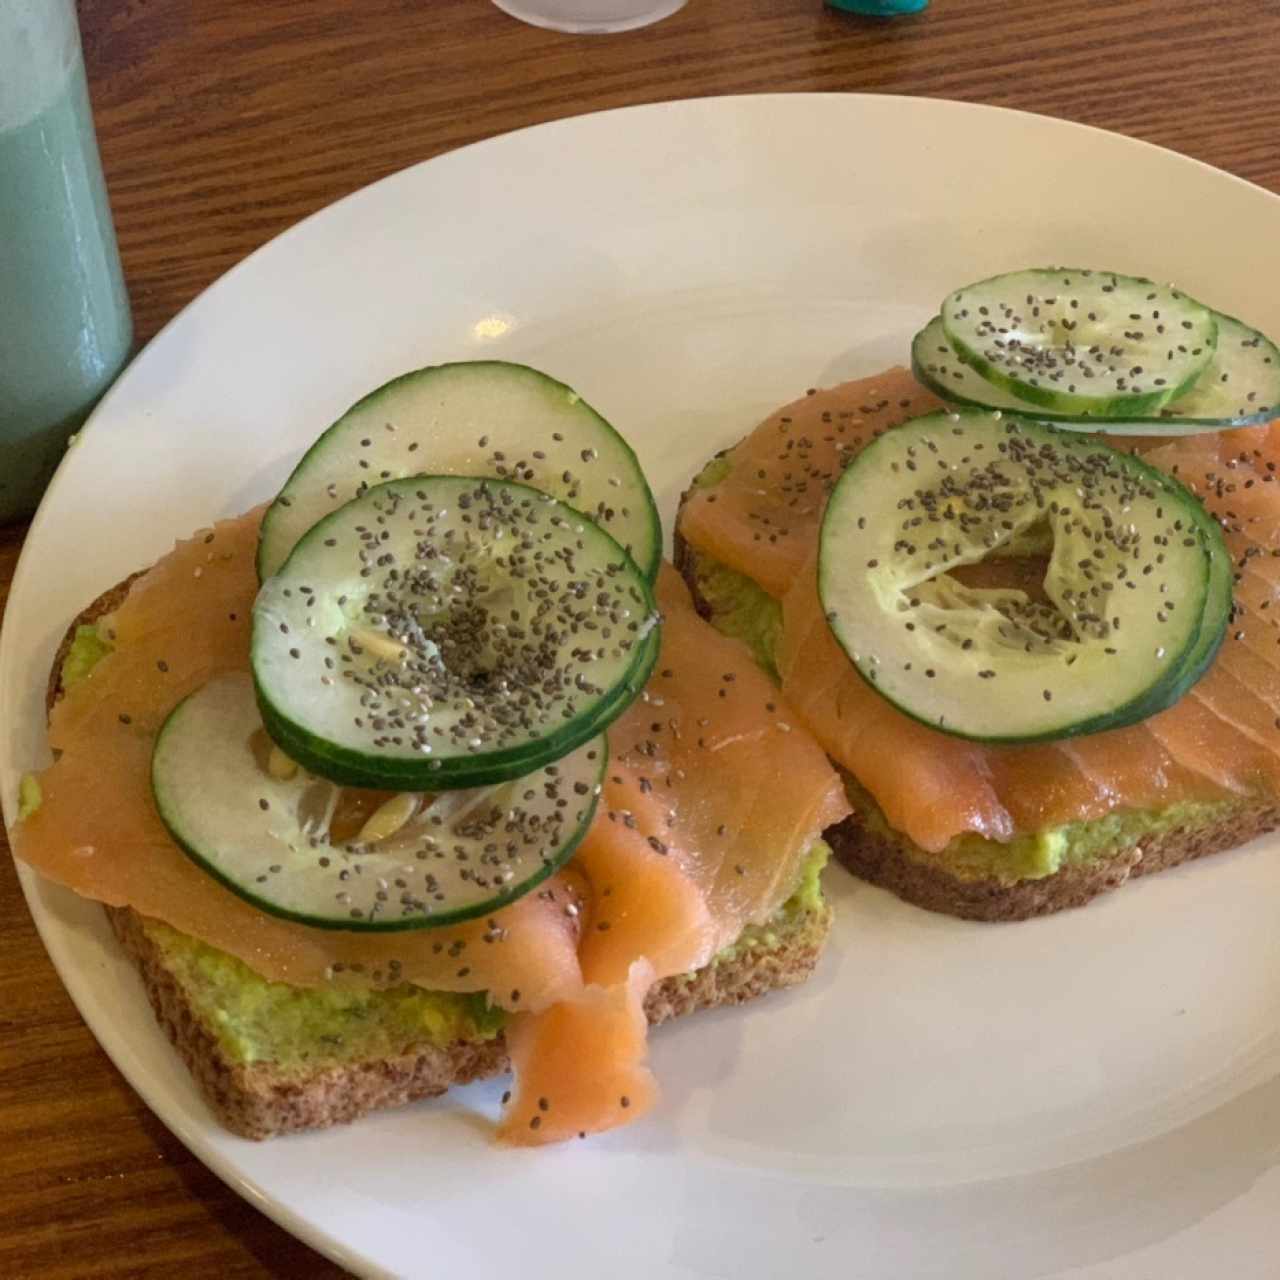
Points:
x=714 y=799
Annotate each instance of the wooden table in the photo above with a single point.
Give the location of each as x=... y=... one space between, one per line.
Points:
x=224 y=121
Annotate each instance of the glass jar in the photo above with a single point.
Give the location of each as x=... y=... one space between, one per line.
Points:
x=65 y=328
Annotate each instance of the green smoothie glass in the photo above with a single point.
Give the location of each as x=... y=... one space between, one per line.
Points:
x=65 y=328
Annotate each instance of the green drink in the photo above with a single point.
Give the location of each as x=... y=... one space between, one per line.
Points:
x=65 y=329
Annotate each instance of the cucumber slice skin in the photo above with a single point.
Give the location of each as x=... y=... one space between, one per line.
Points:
x=333 y=459
x=1213 y=627
x=1124 y=402
x=1219 y=602
x=947 y=376
x=1195 y=654
x=546 y=867
x=353 y=766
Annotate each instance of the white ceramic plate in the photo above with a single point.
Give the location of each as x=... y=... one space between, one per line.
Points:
x=944 y=1099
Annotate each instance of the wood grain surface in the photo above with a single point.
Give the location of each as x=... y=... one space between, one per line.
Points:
x=222 y=122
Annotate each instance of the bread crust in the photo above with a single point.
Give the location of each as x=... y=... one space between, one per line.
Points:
x=262 y=1099
x=896 y=863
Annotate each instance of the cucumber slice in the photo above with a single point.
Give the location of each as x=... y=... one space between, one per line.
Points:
x=935 y=365
x=1123 y=629
x=478 y=418
x=445 y=631
x=457 y=855
x=1082 y=343
x=1240 y=387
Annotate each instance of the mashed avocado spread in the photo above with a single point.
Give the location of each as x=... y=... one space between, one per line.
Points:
x=741 y=608
x=88 y=648
x=1039 y=854
x=256 y=1020
x=29 y=796
x=806 y=899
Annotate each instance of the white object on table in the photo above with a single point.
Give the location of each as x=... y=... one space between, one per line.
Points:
x=590 y=17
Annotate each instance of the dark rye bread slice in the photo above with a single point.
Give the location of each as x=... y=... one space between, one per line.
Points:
x=866 y=845
x=262 y=1099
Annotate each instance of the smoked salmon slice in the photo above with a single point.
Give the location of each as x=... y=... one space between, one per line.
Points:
x=762 y=517
x=1200 y=741
x=1134 y=770
x=1223 y=738
x=929 y=785
x=580 y=1066
x=740 y=790
x=713 y=800
x=1038 y=783
x=97 y=831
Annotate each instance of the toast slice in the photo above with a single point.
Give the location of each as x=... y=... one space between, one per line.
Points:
x=951 y=882
x=272 y=1059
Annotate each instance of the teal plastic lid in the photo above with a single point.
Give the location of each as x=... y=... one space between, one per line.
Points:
x=879 y=8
